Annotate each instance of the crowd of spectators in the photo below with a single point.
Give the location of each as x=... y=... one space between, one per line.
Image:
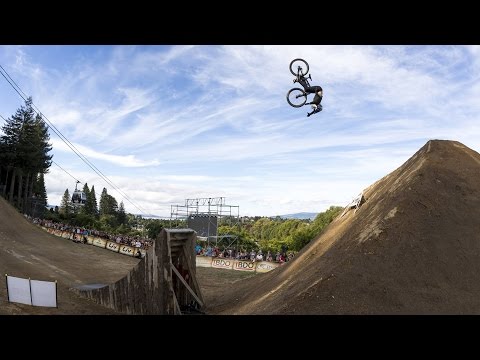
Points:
x=231 y=253
x=79 y=234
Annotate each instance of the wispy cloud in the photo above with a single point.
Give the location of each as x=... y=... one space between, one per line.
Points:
x=173 y=122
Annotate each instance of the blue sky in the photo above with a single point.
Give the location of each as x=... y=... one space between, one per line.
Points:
x=166 y=123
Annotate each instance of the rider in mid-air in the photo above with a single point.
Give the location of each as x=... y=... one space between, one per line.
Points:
x=317 y=90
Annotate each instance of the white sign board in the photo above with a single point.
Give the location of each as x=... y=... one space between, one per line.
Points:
x=113 y=246
x=127 y=250
x=18 y=290
x=44 y=293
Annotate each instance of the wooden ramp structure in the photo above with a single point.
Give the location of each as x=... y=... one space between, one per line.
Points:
x=163 y=283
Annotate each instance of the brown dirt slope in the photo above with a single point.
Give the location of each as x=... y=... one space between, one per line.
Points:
x=28 y=251
x=412 y=248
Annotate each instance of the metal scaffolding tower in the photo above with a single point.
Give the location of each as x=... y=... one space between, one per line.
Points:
x=204 y=215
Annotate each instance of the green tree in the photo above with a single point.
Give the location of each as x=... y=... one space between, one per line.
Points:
x=108 y=204
x=92 y=200
x=39 y=189
x=66 y=207
x=25 y=148
x=121 y=216
x=86 y=208
x=153 y=227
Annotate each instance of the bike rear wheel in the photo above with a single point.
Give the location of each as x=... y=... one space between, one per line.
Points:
x=296 y=97
x=295 y=63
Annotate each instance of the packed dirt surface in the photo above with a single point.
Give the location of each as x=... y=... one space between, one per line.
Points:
x=412 y=248
x=214 y=282
x=27 y=251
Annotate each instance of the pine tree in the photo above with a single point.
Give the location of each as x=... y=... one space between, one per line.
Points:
x=103 y=206
x=121 y=215
x=86 y=207
x=24 y=152
x=39 y=190
x=93 y=202
x=66 y=207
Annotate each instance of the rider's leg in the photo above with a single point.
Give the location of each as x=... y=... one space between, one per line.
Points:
x=316 y=101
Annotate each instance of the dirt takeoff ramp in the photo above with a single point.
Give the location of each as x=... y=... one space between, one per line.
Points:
x=163 y=283
x=413 y=247
x=28 y=251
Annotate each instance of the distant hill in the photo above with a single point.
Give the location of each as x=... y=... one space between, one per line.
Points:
x=300 y=215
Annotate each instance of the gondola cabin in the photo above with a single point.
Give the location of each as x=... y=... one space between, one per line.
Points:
x=79 y=197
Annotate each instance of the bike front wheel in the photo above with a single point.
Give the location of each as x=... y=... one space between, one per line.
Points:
x=296 y=97
x=299 y=66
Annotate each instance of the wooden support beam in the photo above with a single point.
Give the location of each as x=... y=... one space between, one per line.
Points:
x=192 y=271
x=174 y=269
x=176 y=309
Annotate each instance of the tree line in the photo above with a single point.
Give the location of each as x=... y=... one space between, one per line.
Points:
x=24 y=158
x=277 y=234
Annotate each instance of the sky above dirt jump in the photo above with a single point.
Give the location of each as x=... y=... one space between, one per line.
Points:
x=166 y=123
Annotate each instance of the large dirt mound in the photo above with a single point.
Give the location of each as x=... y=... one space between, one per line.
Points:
x=412 y=248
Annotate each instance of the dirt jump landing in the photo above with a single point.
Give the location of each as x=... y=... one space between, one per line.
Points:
x=413 y=247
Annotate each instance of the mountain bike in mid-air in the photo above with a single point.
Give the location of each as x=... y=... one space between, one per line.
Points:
x=297 y=97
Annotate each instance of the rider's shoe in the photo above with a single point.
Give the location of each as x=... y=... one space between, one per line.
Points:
x=314 y=107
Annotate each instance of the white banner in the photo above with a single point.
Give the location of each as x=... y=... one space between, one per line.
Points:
x=113 y=246
x=203 y=261
x=127 y=250
x=222 y=263
x=44 y=293
x=243 y=265
x=100 y=242
x=18 y=290
x=266 y=266
x=90 y=240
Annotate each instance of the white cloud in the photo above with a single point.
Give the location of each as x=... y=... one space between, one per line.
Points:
x=192 y=121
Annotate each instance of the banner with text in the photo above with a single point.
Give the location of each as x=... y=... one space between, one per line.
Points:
x=222 y=263
x=204 y=261
x=265 y=266
x=100 y=242
x=243 y=265
x=113 y=246
x=127 y=250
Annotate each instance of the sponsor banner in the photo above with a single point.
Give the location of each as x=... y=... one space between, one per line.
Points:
x=127 y=250
x=266 y=266
x=203 y=261
x=113 y=246
x=66 y=235
x=100 y=242
x=90 y=240
x=243 y=265
x=222 y=263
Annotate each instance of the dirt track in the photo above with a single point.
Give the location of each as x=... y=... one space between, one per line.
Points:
x=28 y=251
x=412 y=248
